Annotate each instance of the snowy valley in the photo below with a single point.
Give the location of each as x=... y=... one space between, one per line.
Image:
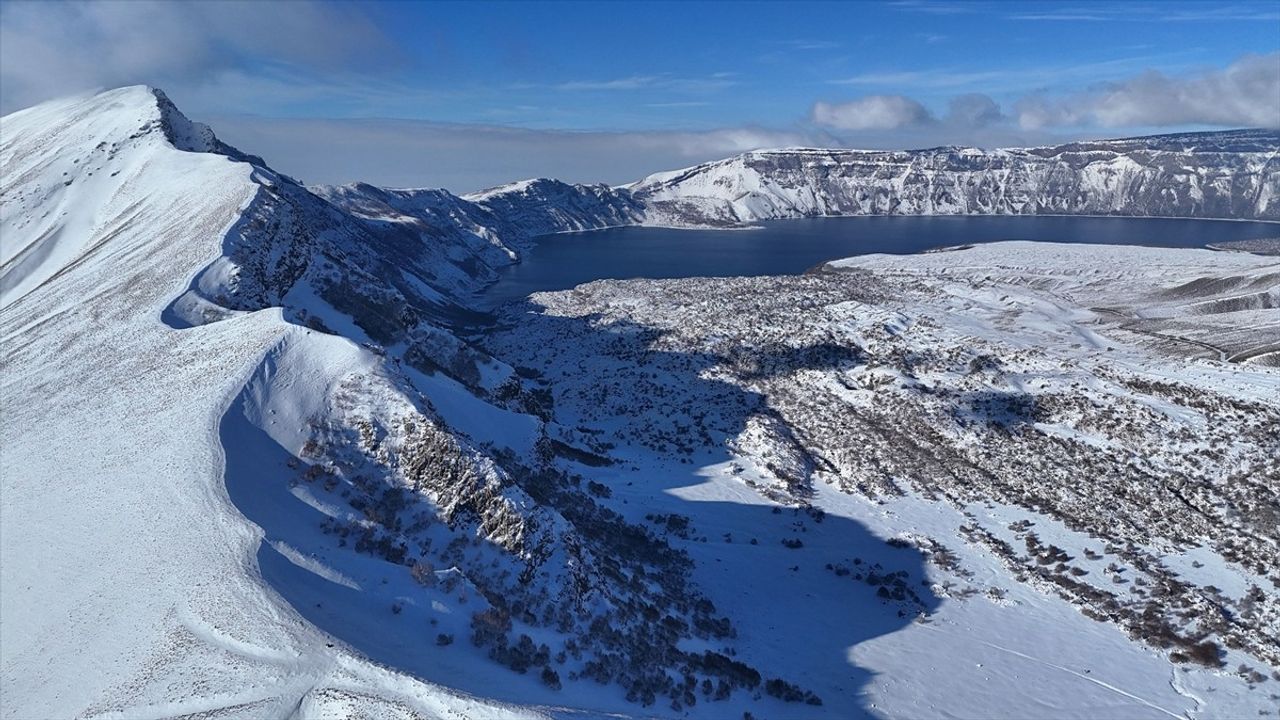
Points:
x=263 y=458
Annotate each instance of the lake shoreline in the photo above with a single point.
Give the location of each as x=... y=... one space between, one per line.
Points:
x=792 y=246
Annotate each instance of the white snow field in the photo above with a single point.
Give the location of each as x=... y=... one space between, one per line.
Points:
x=256 y=461
x=130 y=582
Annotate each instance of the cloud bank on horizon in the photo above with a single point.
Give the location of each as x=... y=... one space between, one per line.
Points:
x=470 y=95
x=1244 y=94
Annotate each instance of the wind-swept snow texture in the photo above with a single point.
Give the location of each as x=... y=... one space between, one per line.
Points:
x=259 y=459
x=131 y=586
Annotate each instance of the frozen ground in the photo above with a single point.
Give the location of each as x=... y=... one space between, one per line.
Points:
x=1068 y=477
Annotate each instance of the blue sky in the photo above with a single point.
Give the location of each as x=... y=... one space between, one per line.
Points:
x=466 y=94
x=703 y=65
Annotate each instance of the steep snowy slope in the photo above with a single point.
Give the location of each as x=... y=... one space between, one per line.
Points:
x=130 y=585
x=245 y=457
x=546 y=206
x=485 y=231
x=1227 y=174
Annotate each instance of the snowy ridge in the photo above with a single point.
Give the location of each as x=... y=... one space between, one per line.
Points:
x=131 y=584
x=339 y=458
x=63 y=160
x=542 y=207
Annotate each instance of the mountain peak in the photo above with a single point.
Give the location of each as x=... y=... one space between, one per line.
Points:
x=115 y=116
x=186 y=134
x=180 y=130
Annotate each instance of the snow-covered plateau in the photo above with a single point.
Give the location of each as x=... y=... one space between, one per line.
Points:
x=259 y=457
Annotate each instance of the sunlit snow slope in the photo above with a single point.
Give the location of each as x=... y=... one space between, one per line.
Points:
x=130 y=586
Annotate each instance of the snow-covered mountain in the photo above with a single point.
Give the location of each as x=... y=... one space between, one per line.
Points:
x=133 y=585
x=244 y=453
x=1230 y=174
x=261 y=460
x=1233 y=174
x=478 y=233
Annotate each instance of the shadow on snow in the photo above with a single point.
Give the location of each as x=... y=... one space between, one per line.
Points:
x=796 y=619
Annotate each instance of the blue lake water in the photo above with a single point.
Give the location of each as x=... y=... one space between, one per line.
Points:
x=784 y=247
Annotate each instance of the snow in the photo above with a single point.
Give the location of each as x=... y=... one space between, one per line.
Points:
x=132 y=584
x=474 y=417
x=1109 y=178
x=191 y=431
x=994 y=641
x=1034 y=653
x=518 y=186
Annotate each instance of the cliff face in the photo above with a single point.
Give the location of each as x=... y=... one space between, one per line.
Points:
x=1231 y=174
x=541 y=207
x=462 y=241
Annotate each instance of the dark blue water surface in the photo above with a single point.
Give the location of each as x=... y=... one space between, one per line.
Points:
x=784 y=247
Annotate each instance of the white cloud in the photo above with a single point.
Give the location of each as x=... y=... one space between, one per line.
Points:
x=687 y=104
x=938 y=8
x=923 y=78
x=48 y=49
x=872 y=112
x=1246 y=93
x=810 y=44
x=1145 y=13
x=974 y=110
